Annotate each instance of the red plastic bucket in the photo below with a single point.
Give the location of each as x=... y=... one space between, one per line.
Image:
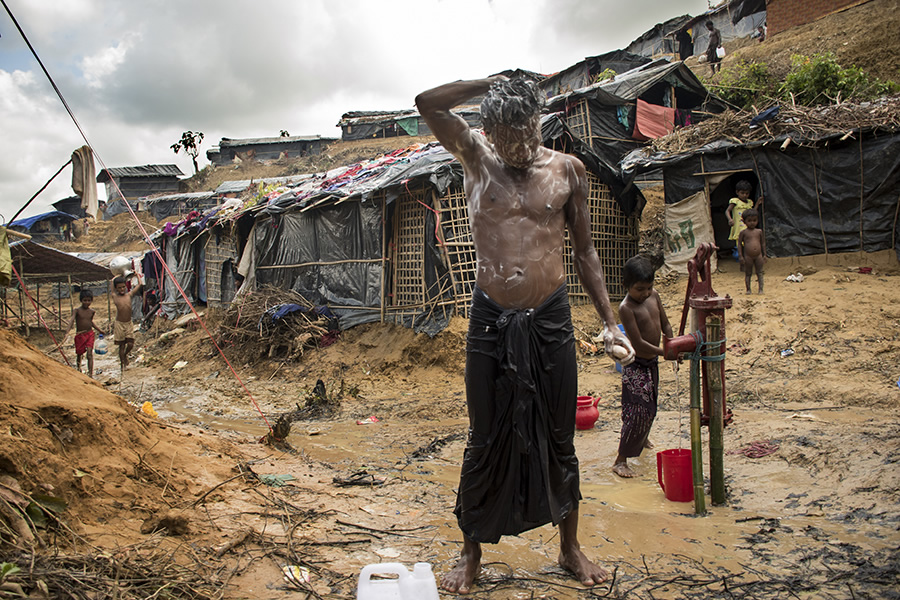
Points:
x=676 y=474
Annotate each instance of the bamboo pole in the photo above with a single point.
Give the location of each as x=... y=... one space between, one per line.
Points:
x=384 y=247
x=717 y=416
x=696 y=438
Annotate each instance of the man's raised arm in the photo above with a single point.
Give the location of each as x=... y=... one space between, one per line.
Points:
x=450 y=129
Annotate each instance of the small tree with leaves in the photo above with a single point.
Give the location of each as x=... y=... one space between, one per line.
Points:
x=190 y=143
x=284 y=133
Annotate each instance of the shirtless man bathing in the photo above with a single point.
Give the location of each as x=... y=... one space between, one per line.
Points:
x=519 y=469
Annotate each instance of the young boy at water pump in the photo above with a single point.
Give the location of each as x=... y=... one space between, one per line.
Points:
x=644 y=318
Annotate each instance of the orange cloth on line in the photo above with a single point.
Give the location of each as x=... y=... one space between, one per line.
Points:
x=652 y=121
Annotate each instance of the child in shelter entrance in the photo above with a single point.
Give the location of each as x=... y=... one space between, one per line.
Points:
x=83 y=319
x=736 y=206
x=644 y=318
x=752 y=248
x=123 y=333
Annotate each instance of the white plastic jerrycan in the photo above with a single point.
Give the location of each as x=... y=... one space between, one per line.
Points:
x=418 y=585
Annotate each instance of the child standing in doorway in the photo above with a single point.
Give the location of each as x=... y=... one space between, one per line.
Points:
x=738 y=205
x=83 y=320
x=123 y=333
x=751 y=248
x=644 y=318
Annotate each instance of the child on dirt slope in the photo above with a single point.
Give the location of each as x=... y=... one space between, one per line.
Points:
x=123 y=332
x=83 y=319
x=644 y=318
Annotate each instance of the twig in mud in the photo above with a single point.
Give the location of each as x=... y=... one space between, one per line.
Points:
x=398 y=532
x=230 y=545
x=169 y=474
x=215 y=487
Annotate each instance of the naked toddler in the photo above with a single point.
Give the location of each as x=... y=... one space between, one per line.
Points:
x=751 y=247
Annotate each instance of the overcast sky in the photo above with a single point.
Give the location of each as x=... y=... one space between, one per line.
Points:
x=138 y=74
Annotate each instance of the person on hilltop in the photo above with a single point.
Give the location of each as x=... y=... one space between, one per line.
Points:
x=519 y=468
x=712 y=54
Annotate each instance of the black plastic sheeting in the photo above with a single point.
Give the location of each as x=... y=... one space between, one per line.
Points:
x=797 y=220
x=740 y=9
x=181 y=258
x=337 y=234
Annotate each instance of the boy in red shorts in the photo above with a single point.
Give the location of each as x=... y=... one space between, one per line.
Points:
x=83 y=319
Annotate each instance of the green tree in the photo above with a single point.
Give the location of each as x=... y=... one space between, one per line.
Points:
x=190 y=143
x=284 y=133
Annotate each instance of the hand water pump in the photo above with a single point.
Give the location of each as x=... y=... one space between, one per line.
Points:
x=707 y=347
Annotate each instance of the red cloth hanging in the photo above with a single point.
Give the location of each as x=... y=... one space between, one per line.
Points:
x=652 y=121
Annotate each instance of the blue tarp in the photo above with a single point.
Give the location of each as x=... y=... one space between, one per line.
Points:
x=29 y=222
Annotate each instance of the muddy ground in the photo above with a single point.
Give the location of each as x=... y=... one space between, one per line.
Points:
x=190 y=503
x=818 y=517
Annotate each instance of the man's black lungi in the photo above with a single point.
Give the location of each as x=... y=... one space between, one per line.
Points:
x=519 y=469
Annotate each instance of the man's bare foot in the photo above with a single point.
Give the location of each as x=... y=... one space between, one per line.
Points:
x=623 y=470
x=649 y=445
x=584 y=570
x=461 y=577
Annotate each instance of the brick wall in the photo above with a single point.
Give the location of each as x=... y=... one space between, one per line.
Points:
x=784 y=14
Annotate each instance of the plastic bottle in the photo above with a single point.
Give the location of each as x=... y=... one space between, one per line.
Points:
x=100 y=346
x=418 y=585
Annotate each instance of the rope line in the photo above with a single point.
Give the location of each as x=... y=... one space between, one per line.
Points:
x=140 y=225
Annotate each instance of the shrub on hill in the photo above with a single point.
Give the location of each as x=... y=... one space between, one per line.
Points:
x=812 y=80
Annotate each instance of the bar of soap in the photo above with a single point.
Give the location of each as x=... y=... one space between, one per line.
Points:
x=619 y=352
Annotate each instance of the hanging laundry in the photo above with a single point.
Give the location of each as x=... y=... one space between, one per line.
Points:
x=5 y=259
x=652 y=121
x=84 y=180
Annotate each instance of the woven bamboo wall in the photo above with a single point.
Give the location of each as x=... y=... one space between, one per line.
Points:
x=459 y=245
x=579 y=121
x=217 y=253
x=407 y=281
x=615 y=238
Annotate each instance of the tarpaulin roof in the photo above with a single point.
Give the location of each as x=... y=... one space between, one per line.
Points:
x=630 y=85
x=238 y=186
x=165 y=206
x=28 y=222
x=662 y=29
x=43 y=263
x=288 y=139
x=142 y=171
x=360 y=180
x=364 y=116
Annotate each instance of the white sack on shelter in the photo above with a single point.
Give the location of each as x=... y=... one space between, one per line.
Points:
x=688 y=224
